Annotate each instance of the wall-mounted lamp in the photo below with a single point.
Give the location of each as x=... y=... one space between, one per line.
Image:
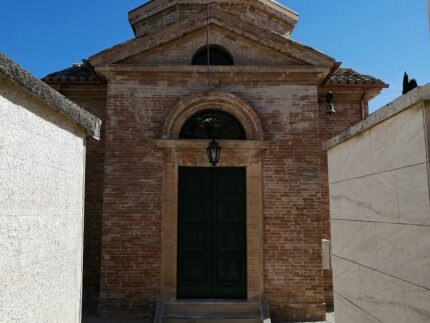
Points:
x=330 y=106
x=214 y=152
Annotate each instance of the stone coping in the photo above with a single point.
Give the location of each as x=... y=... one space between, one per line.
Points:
x=60 y=103
x=402 y=103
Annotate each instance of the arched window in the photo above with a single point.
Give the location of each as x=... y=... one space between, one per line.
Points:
x=217 y=56
x=212 y=124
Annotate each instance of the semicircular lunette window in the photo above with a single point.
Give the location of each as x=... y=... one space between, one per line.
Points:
x=212 y=124
x=217 y=56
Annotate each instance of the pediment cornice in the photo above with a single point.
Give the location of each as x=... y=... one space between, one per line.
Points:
x=284 y=74
x=222 y=21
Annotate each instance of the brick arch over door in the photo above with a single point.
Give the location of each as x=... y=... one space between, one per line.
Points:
x=222 y=101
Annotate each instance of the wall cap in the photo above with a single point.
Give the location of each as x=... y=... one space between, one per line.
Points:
x=15 y=73
x=393 y=108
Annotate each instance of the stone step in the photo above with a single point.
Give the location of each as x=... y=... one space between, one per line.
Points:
x=225 y=317
x=212 y=321
x=190 y=306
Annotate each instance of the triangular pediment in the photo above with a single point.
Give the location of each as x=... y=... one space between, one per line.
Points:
x=225 y=28
x=180 y=51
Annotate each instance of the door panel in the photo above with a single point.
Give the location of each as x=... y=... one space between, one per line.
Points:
x=194 y=226
x=229 y=209
x=212 y=233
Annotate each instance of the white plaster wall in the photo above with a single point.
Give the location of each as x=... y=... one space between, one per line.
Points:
x=380 y=221
x=41 y=211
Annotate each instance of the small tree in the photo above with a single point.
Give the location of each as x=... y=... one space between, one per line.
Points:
x=405 y=83
x=408 y=85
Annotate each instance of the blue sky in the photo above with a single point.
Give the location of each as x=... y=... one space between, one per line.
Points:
x=383 y=38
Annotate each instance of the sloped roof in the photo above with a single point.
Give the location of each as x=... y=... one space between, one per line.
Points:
x=79 y=73
x=348 y=76
x=42 y=91
x=83 y=73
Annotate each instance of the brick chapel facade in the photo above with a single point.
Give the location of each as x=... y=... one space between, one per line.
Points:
x=145 y=90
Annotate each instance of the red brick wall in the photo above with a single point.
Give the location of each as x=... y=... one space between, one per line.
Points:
x=132 y=190
x=292 y=202
x=125 y=270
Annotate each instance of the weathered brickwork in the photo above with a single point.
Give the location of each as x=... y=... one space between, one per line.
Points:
x=141 y=82
x=292 y=202
x=295 y=200
x=132 y=190
x=156 y=16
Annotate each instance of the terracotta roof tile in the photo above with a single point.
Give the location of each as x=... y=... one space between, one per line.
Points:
x=348 y=76
x=78 y=73
x=83 y=73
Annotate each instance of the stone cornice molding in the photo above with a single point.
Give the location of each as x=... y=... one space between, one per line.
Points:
x=295 y=74
x=222 y=20
x=192 y=144
x=237 y=153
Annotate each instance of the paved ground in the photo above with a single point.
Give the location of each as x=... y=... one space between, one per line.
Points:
x=330 y=319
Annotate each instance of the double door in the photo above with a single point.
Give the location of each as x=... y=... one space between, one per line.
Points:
x=212 y=233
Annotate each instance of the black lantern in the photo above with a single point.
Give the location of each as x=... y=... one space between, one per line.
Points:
x=330 y=106
x=214 y=152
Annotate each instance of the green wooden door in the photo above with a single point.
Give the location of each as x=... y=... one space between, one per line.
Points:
x=212 y=233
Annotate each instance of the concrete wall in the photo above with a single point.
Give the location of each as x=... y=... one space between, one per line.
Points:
x=92 y=97
x=42 y=157
x=380 y=217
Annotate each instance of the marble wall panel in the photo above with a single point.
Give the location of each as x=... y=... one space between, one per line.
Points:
x=399 y=141
x=368 y=282
x=404 y=252
x=427 y=126
x=346 y=312
x=389 y=297
x=382 y=296
x=416 y=257
x=417 y=303
x=350 y=159
x=360 y=242
x=342 y=200
x=337 y=237
x=390 y=248
x=346 y=279
x=413 y=195
x=376 y=198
